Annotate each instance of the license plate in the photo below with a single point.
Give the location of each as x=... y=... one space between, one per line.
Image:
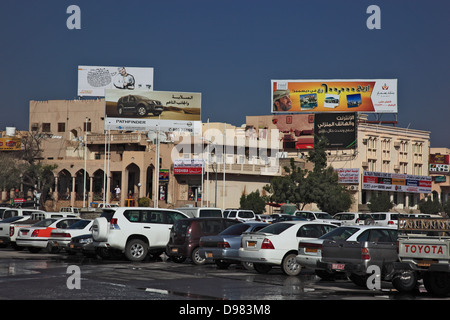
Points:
x=71 y=246
x=251 y=243
x=24 y=233
x=209 y=255
x=174 y=250
x=338 y=266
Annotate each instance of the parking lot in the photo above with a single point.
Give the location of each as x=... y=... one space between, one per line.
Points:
x=28 y=276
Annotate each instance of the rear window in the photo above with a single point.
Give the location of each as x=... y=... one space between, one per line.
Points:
x=246 y=214
x=232 y=214
x=276 y=228
x=108 y=214
x=80 y=224
x=235 y=230
x=210 y=213
x=44 y=223
x=11 y=219
x=181 y=226
x=341 y=233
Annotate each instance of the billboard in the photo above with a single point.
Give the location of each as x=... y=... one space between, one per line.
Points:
x=370 y=96
x=439 y=163
x=188 y=166
x=338 y=128
x=11 y=144
x=93 y=80
x=139 y=110
x=383 y=181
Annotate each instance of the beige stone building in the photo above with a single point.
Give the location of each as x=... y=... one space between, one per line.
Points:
x=76 y=141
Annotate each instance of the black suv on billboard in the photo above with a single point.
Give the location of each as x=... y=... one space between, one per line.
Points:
x=139 y=105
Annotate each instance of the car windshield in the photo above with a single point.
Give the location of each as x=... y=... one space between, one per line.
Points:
x=235 y=230
x=341 y=233
x=276 y=228
x=44 y=223
x=79 y=224
x=11 y=219
x=211 y=213
x=324 y=215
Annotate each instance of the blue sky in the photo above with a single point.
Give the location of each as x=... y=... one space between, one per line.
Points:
x=229 y=50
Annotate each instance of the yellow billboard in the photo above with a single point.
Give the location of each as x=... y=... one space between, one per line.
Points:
x=9 y=143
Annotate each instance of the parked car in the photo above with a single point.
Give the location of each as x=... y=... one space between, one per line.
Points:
x=385 y=218
x=223 y=249
x=60 y=238
x=12 y=212
x=353 y=256
x=139 y=105
x=70 y=210
x=135 y=231
x=37 y=236
x=239 y=214
x=201 y=212
x=81 y=244
x=353 y=218
x=267 y=218
x=310 y=251
x=317 y=216
x=185 y=237
x=277 y=244
x=2 y=209
x=5 y=225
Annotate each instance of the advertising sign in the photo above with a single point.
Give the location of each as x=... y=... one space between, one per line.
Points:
x=439 y=163
x=141 y=110
x=9 y=143
x=93 y=80
x=188 y=166
x=370 y=96
x=348 y=175
x=383 y=181
x=338 y=128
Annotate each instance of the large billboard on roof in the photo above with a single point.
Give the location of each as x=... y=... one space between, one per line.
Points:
x=141 y=110
x=93 y=80
x=370 y=96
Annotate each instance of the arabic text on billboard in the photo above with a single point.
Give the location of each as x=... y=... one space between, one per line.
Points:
x=377 y=96
x=338 y=128
x=383 y=181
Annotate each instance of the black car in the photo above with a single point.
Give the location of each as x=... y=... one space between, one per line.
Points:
x=184 y=241
x=139 y=105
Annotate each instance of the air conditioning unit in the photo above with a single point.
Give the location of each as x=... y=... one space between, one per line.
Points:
x=396 y=144
x=364 y=164
x=364 y=140
x=396 y=167
x=353 y=187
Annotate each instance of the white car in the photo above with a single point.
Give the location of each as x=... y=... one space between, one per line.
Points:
x=277 y=244
x=318 y=216
x=385 y=218
x=239 y=214
x=135 y=231
x=353 y=218
x=310 y=251
x=37 y=236
x=60 y=238
x=5 y=228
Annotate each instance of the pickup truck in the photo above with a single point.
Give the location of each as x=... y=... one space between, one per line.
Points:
x=423 y=252
x=376 y=246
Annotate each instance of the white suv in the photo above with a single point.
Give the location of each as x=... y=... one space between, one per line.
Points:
x=134 y=231
x=240 y=214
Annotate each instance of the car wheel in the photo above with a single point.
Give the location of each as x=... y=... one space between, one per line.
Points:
x=262 y=267
x=437 y=283
x=100 y=229
x=197 y=258
x=248 y=265
x=178 y=259
x=136 y=250
x=222 y=264
x=405 y=282
x=290 y=266
x=141 y=110
x=360 y=281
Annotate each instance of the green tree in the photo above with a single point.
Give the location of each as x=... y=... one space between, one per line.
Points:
x=429 y=206
x=380 y=203
x=318 y=186
x=254 y=201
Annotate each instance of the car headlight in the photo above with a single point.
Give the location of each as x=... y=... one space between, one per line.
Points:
x=87 y=240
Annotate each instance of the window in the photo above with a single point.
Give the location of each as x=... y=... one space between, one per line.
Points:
x=87 y=126
x=61 y=127
x=310 y=231
x=46 y=127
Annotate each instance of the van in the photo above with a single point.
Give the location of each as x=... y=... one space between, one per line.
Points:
x=201 y=212
x=353 y=218
x=385 y=218
x=184 y=240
